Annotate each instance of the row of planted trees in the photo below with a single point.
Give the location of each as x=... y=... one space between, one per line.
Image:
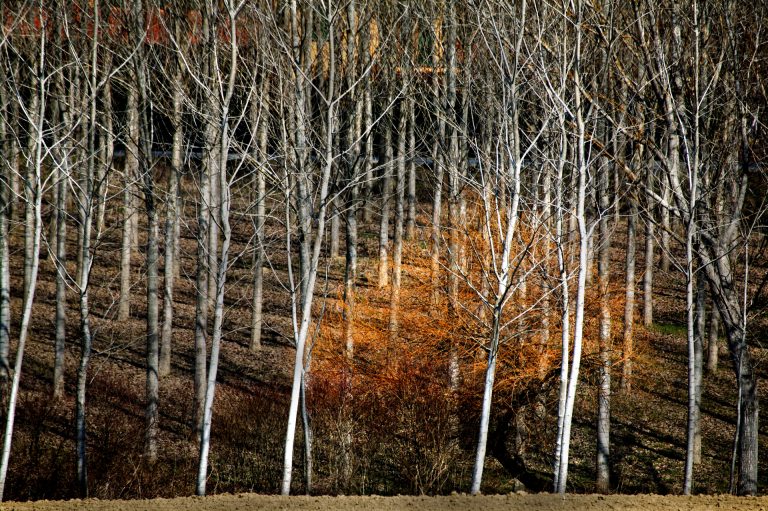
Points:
x=542 y=126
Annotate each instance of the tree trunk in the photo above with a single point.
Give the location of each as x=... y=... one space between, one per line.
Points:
x=29 y=184
x=385 y=198
x=352 y=147
x=397 y=245
x=629 y=298
x=131 y=168
x=153 y=370
x=259 y=120
x=5 y=286
x=201 y=302
x=333 y=249
x=34 y=196
x=224 y=205
x=649 y=268
x=713 y=348
x=602 y=483
x=107 y=139
x=61 y=258
x=485 y=411
x=666 y=226
x=700 y=321
x=581 y=223
x=170 y=263
x=5 y=210
x=410 y=227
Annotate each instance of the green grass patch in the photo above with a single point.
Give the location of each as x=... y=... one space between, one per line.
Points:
x=675 y=329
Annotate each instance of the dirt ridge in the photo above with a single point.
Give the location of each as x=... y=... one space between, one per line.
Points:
x=511 y=502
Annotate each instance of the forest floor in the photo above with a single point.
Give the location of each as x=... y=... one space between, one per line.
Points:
x=648 y=423
x=513 y=502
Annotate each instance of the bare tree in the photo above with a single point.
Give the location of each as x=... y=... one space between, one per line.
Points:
x=33 y=196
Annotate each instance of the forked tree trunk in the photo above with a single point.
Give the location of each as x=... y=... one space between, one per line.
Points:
x=583 y=236
x=223 y=202
x=309 y=249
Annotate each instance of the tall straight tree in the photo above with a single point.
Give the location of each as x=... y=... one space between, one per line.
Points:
x=170 y=264
x=33 y=196
x=145 y=172
x=224 y=91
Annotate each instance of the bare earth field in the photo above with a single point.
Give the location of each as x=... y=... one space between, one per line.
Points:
x=543 y=502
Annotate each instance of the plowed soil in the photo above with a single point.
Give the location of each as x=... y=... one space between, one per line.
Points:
x=542 y=502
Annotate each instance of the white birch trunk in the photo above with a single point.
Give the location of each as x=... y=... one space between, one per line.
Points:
x=35 y=198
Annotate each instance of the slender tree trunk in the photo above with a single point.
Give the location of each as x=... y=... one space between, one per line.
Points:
x=153 y=366
x=485 y=412
x=333 y=249
x=385 y=198
x=170 y=263
x=397 y=247
x=368 y=157
x=212 y=132
x=6 y=199
x=308 y=437
x=107 y=139
x=581 y=222
x=29 y=185
x=666 y=226
x=61 y=258
x=131 y=168
x=5 y=286
x=259 y=117
x=454 y=190
x=649 y=269
x=224 y=205
x=86 y=220
x=410 y=228
x=700 y=321
x=201 y=302
x=604 y=390
x=153 y=370
x=350 y=269
x=352 y=167
x=629 y=298
x=437 y=167
x=713 y=348
x=34 y=196
x=14 y=150
x=310 y=249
